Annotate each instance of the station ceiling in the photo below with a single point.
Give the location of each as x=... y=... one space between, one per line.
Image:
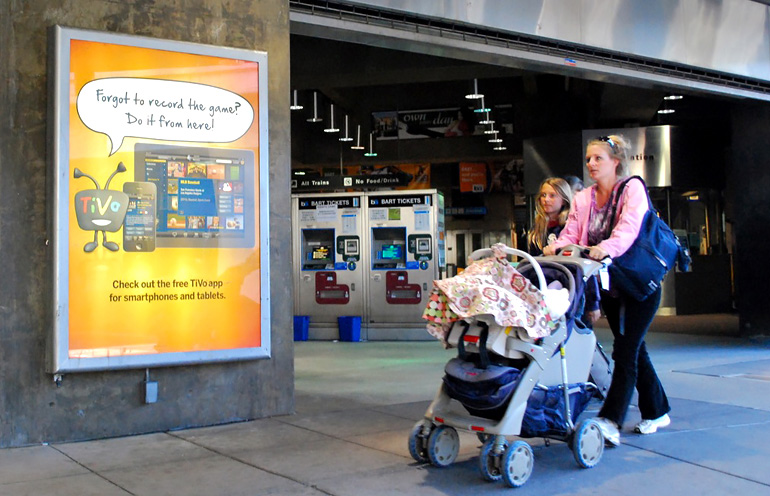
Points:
x=361 y=79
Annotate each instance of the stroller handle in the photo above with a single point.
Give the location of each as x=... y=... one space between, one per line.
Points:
x=487 y=252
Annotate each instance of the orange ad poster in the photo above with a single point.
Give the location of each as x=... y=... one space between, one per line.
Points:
x=473 y=177
x=161 y=212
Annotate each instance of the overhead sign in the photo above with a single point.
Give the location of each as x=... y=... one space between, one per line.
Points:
x=376 y=201
x=348 y=182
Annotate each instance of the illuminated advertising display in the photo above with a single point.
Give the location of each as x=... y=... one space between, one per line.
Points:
x=160 y=214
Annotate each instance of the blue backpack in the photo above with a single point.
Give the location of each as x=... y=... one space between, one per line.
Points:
x=639 y=271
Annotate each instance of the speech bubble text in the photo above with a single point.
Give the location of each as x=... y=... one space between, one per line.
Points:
x=161 y=109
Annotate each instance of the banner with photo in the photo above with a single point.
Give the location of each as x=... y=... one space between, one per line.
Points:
x=414 y=124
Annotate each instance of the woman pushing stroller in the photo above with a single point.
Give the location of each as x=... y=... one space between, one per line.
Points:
x=588 y=225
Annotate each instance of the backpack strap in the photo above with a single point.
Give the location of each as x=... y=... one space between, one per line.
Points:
x=616 y=200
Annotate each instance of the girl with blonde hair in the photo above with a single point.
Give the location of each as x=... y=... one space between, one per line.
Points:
x=551 y=211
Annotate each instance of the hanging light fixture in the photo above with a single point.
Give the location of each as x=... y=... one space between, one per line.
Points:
x=475 y=95
x=487 y=120
x=315 y=117
x=331 y=128
x=358 y=146
x=666 y=109
x=371 y=152
x=295 y=105
x=483 y=108
x=491 y=130
x=347 y=135
x=499 y=148
x=496 y=139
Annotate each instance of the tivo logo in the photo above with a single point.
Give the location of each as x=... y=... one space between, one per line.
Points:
x=93 y=204
x=100 y=210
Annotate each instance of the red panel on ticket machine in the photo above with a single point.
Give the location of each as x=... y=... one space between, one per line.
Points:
x=328 y=292
x=398 y=291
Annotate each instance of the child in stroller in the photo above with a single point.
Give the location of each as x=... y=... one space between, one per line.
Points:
x=512 y=372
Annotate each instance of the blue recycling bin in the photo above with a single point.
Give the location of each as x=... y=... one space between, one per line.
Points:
x=301 y=325
x=350 y=328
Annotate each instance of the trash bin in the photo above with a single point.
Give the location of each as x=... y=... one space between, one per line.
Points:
x=301 y=324
x=350 y=328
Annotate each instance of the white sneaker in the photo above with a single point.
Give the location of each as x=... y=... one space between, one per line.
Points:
x=609 y=430
x=651 y=426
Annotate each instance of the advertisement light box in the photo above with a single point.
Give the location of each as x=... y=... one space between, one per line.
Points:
x=160 y=213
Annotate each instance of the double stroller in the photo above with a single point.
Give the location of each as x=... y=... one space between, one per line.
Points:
x=520 y=372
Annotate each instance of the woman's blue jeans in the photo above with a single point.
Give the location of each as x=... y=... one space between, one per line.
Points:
x=629 y=320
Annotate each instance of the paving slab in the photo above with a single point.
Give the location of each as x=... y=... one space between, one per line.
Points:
x=36 y=463
x=74 y=485
x=206 y=476
x=264 y=434
x=411 y=411
x=753 y=369
x=741 y=451
x=349 y=423
x=313 y=461
x=131 y=452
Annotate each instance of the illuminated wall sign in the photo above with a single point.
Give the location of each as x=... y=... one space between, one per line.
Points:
x=649 y=156
x=161 y=214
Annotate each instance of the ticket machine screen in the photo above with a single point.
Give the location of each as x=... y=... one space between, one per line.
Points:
x=392 y=252
x=320 y=252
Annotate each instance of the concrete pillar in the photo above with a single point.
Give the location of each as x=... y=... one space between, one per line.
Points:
x=749 y=184
x=103 y=404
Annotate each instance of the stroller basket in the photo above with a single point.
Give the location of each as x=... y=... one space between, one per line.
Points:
x=544 y=416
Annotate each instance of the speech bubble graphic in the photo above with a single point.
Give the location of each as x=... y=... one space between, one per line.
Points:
x=162 y=109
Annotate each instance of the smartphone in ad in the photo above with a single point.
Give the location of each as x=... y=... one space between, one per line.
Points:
x=139 y=226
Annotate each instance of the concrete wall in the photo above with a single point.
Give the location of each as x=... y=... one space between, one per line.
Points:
x=96 y=405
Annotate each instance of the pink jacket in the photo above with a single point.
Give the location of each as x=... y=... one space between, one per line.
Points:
x=631 y=209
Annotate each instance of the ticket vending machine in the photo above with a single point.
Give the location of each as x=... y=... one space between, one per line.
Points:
x=328 y=269
x=403 y=247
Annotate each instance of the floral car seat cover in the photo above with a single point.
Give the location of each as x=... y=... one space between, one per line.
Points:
x=489 y=287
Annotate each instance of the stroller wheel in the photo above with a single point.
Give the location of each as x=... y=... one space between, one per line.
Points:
x=518 y=462
x=587 y=443
x=443 y=446
x=490 y=463
x=418 y=442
